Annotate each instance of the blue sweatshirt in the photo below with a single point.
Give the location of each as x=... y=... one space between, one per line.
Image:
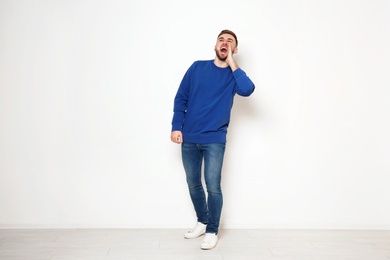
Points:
x=204 y=100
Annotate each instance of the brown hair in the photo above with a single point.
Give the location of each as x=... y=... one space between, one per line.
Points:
x=229 y=32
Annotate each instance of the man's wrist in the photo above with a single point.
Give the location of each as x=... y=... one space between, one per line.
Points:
x=233 y=65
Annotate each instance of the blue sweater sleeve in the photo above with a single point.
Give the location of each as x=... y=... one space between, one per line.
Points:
x=181 y=101
x=245 y=86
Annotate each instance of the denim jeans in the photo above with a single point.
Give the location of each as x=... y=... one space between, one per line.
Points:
x=212 y=154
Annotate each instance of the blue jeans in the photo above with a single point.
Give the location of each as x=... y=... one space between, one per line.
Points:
x=207 y=212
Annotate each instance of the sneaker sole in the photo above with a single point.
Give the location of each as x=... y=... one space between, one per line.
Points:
x=191 y=237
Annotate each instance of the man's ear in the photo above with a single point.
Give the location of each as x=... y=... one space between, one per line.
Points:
x=235 y=50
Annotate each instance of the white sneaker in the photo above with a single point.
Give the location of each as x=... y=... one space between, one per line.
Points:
x=209 y=241
x=198 y=230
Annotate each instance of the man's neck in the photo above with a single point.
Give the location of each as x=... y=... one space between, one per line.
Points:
x=224 y=64
x=219 y=63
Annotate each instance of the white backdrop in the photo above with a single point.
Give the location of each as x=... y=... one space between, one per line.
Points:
x=86 y=101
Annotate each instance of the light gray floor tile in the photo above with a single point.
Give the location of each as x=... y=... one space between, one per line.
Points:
x=329 y=252
x=143 y=257
x=26 y=257
x=161 y=244
x=306 y=258
x=35 y=252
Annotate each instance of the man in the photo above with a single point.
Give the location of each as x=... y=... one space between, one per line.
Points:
x=201 y=117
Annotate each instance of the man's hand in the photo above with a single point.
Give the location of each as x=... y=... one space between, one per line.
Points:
x=177 y=137
x=229 y=60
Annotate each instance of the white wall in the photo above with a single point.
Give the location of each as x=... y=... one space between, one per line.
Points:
x=86 y=102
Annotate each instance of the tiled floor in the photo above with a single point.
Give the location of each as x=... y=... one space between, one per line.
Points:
x=164 y=244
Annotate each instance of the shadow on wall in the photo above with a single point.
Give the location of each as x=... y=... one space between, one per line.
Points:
x=245 y=114
x=245 y=107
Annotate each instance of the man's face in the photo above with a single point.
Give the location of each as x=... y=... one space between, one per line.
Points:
x=224 y=43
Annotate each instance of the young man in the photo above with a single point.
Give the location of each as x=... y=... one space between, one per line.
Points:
x=201 y=117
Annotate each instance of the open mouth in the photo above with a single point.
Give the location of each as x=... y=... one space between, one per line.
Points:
x=224 y=50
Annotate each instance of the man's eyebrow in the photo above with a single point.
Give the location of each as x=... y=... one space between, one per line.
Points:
x=228 y=38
